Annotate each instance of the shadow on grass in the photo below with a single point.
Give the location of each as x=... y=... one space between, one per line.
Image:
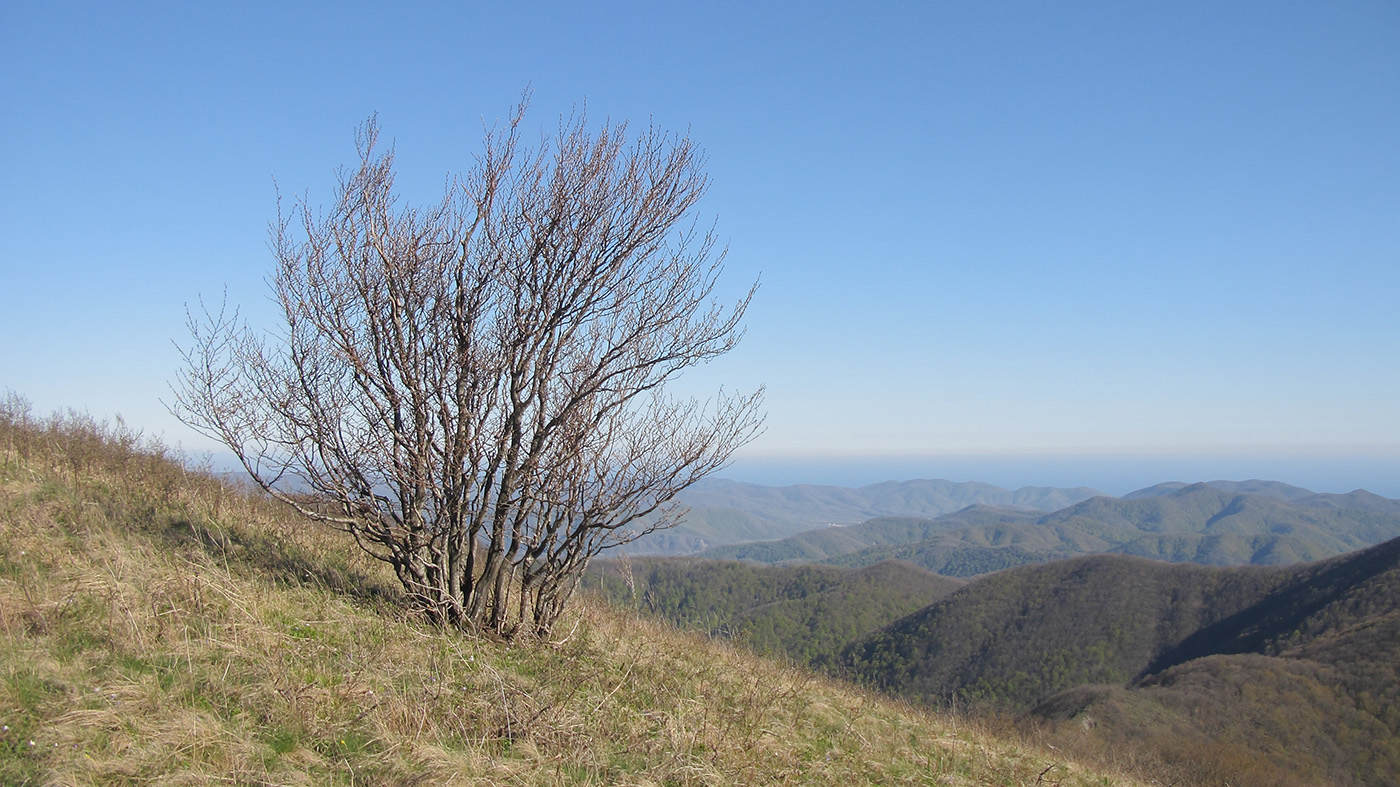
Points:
x=285 y=563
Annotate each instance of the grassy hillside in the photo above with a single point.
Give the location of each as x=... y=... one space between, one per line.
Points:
x=159 y=627
x=807 y=613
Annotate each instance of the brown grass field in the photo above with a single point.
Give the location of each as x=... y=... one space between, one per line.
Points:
x=161 y=626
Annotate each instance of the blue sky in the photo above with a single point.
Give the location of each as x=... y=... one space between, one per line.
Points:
x=1092 y=243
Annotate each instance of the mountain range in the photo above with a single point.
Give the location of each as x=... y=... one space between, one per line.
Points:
x=1252 y=675
x=1249 y=630
x=729 y=512
x=1216 y=523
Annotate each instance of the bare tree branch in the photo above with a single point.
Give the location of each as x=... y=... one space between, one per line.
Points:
x=474 y=390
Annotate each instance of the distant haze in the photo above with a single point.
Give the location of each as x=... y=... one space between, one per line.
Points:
x=1114 y=474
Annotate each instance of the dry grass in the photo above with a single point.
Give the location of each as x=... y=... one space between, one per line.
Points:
x=158 y=626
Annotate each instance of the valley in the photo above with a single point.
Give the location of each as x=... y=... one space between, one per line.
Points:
x=1250 y=627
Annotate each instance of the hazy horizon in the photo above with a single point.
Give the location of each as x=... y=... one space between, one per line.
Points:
x=1113 y=474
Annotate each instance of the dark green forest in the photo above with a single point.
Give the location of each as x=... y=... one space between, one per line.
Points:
x=1254 y=675
x=807 y=613
x=1256 y=666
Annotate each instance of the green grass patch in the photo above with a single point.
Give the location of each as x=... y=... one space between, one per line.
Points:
x=283 y=740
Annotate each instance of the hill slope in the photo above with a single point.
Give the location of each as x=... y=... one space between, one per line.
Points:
x=1294 y=665
x=1017 y=637
x=1255 y=486
x=807 y=613
x=832 y=542
x=158 y=626
x=1309 y=674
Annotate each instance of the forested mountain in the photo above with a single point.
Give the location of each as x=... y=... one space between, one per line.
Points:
x=831 y=542
x=704 y=527
x=822 y=505
x=1281 y=673
x=805 y=612
x=1211 y=524
x=1253 y=487
x=1258 y=666
x=729 y=512
x=1015 y=638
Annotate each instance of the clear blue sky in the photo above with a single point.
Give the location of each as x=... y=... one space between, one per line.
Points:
x=1017 y=242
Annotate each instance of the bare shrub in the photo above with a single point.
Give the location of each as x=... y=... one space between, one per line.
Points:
x=475 y=389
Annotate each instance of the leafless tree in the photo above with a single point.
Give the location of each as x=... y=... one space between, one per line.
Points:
x=475 y=389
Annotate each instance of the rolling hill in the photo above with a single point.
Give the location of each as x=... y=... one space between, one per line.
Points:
x=1255 y=666
x=1256 y=486
x=729 y=512
x=830 y=542
x=805 y=612
x=1210 y=524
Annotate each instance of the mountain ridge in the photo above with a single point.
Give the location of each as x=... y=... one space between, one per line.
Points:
x=1208 y=523
x=1109 y=649
x=724 y=512
x=805 y=612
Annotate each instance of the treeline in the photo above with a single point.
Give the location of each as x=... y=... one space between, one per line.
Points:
x=1017 y=637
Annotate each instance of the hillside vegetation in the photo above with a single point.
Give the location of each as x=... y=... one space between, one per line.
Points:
x=1263 y=673
x=1248 y=675
x=807 y=613
x=825 y=543
x=1015 y=638
x=158 y=626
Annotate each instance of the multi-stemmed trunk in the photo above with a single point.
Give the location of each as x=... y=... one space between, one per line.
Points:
x=474 y=390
